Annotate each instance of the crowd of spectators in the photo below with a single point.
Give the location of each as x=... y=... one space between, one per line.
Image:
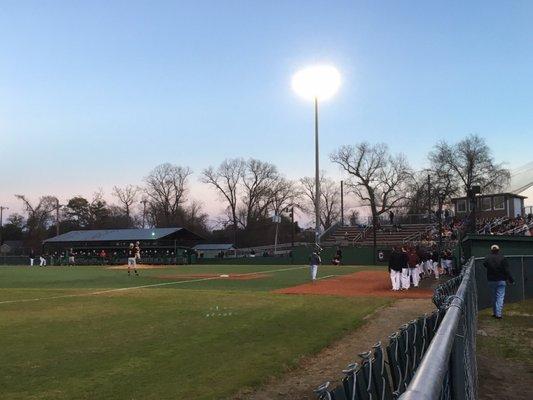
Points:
x=518 y=226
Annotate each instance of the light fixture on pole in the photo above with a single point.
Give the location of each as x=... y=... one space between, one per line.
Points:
x=317 y=83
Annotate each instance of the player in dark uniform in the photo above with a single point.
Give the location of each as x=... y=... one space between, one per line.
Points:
x=132 y=259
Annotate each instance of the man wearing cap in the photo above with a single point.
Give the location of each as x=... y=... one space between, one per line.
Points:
x=498 y=275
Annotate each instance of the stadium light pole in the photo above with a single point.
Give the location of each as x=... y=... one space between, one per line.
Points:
x=317 y=83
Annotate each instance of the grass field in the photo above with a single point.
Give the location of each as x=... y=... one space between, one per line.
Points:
x=509 y=338
x=89 y=333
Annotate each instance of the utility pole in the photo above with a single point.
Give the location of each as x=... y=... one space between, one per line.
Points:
x=292 y=226
x=143 y=202
x=57 y=216
x=342 y=203
x=2 y=208
x=429 y=197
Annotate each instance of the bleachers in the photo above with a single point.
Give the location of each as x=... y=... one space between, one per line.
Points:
x=388 y=234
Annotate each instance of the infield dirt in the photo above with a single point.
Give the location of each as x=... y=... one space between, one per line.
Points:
x=361 y=284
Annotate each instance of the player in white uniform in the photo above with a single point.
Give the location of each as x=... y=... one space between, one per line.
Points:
x=314 y=262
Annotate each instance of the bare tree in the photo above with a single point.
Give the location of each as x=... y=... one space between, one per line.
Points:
x=126 y=196
x=377 y=178
x=258 y=180
x=330 y=199
x=225 y=179
x=472 y=164
x=166 y=187
x=283 y=194
x=38 y=216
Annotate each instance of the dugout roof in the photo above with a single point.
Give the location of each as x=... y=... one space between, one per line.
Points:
x=214 y=246
x=121 y=235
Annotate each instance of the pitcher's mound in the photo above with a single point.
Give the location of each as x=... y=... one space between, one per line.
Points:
x=359 y=284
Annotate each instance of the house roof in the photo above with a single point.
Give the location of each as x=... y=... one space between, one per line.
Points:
x=102 y=235
x=214 y=246
x=492 y=195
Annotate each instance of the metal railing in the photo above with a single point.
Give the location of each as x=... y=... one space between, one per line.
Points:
x=449 y=368
x=329 y=230
x=429 y=358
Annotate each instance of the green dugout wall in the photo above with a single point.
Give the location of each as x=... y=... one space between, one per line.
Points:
x=350 y=255
x=519 y=253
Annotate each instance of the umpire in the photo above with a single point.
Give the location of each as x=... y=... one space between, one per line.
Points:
x=498 y=275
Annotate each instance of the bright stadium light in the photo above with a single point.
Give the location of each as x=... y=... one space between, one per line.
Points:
x=319 y=82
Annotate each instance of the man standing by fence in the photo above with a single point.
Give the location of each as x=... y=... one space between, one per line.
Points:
x=498 y=275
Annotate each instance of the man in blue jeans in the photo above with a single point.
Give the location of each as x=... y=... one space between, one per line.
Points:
x=498 y=275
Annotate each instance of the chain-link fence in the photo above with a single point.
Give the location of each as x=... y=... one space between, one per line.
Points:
x=432 y=357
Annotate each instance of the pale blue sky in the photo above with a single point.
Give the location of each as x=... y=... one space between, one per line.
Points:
x=96 y=93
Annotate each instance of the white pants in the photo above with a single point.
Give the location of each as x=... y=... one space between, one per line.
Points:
x=406 y=279
x=428 y=267
x=395 y=278
x=314 y=270
x=42 y=262
x=420 y=268
x=436 y=269
x=31 y=262
x=415 y=274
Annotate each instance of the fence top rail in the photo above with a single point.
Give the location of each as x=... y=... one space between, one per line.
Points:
x=427 y=382
x=510 y=256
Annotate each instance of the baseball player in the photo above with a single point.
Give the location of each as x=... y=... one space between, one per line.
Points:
x=395 y=268
x=414 y=271
x=132 y=260
x=32 y=257
x=138 y=252
x=314 y=262
x=406 y=271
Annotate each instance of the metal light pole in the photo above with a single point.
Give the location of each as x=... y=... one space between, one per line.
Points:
x=319 y=82
x=342 y=203
x=143 y=202
x=317 y=179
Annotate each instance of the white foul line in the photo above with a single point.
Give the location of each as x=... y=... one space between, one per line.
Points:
x=324 y=277
x=142 y=287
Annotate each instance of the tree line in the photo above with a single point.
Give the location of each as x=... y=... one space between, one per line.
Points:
x=252 y=191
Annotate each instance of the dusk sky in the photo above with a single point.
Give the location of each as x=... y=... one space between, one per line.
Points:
x=97 y=93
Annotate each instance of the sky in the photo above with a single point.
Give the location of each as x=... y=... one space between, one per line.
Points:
x=97 y=93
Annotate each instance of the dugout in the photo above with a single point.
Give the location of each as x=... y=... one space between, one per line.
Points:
x=158 y=245
x=519 y=252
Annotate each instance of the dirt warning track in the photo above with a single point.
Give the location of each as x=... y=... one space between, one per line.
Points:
x=358 y=284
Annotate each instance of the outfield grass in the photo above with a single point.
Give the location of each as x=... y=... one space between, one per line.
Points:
x=202 y=340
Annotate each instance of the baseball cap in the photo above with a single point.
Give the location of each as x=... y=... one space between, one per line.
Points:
x=495 y=247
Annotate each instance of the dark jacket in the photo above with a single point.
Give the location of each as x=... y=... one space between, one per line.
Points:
x=315 y=259
x=397 y=261
x=497 y=268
